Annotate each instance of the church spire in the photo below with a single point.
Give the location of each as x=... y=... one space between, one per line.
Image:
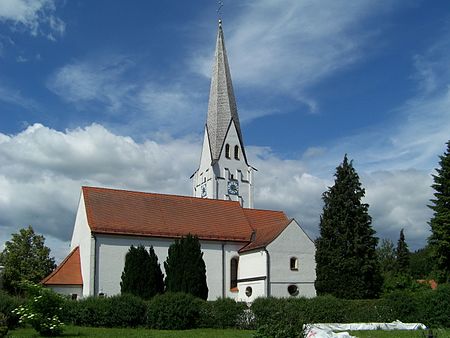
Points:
x=222 y=103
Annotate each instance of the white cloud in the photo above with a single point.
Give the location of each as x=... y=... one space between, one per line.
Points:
x=43 y=169
x=35 y=16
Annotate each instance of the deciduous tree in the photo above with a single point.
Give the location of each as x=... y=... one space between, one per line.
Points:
x=25 y=258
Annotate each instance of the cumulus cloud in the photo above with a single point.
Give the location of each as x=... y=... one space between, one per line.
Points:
x=34 y=16
x=43 y=169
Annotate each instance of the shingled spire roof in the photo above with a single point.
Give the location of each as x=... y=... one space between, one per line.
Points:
x=222 y=103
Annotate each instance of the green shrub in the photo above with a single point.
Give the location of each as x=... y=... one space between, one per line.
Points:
x=126 y=311
x=90 y=311
x=174 y=311
x=42 y=310
x=434 y=306
x=222 y=313
x=7 y=305
x=3 y=325
x=278 y=318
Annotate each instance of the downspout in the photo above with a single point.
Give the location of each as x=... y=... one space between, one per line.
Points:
x=268 y=271
x=93 y=286
x=223 y=271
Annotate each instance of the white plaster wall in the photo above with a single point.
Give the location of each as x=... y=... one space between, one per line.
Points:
x=204 y=171
x=292 y=242
x=111 y=251
x=231 y=251
x=67 y=290
x=81 y=237
x=252 y=264
x=258 y=290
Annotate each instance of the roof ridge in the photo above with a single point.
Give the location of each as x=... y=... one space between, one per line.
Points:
x=161 y=194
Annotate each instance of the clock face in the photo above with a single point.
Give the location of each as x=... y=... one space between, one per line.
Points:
x=203 y=190
x=233 y=187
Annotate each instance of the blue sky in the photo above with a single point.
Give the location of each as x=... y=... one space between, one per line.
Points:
x=115 y=94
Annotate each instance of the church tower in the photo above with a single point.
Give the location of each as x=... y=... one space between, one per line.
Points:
x=224 y=172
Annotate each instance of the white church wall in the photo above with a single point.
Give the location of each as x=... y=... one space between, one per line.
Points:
x=111 y=251
x=204 y=174
x=252 y=265
x=231 y=251
x=81 y=237
x=292 y=243
x=67 y=290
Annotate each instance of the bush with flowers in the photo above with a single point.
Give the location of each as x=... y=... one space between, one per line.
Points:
x=42 y=310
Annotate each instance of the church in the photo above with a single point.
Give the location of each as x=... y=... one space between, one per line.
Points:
x=249 y=253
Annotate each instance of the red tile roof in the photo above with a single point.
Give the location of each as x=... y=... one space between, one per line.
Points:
x=68 y=272
x=126 y=212
x=267 y=226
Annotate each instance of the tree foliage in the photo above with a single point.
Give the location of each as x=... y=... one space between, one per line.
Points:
x=185 y=268
x=25 y=258
x=402 y=254
x=386 y=256
x=142 y=274
x=439 y=240
x=347 y=265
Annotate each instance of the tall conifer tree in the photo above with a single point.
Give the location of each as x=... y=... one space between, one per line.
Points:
x=440 y=222
x=185 y=268
x=402 y=253
x=142 y=274
x=346 y=259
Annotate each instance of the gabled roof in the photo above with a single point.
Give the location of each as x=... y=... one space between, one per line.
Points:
x=111 y=211
x=222 y=107
x=267 y=226
x=68 y=272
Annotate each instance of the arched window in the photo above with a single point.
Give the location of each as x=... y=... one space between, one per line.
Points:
x=294 y=263
x=236 y=152
x=227 y=150
x=234 y=272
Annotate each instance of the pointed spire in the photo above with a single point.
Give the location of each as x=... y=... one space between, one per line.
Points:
x=222 y=103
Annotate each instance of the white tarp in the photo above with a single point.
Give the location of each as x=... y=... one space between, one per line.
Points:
x=314 y=332
x=396 y=325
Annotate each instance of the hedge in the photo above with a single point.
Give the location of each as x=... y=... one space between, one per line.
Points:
x=181 y=311
x=7 y=304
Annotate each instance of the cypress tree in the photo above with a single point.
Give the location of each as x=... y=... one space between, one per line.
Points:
x=402 y=253
x=185 y=268
x=346 y=260
x=142 y=274
x=440 y=222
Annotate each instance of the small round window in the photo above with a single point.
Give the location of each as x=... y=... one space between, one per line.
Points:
x=293 y=290
x=248 y=291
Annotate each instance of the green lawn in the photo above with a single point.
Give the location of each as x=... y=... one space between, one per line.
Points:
x=76 y=331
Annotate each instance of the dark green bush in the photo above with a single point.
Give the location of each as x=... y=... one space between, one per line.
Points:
x=7 y=304
x=221 y=313
x=90 y=311
x=126 y=311
x=174 y=311
x=3 y=325
x=279 y=317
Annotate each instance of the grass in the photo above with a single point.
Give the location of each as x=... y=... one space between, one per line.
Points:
x=77 y=331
